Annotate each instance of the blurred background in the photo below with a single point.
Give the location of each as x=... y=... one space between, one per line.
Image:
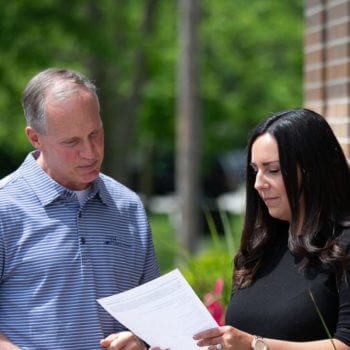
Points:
x=181 y=84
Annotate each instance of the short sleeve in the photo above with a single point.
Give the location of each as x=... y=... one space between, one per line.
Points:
x=151 y=266
x=2 y=253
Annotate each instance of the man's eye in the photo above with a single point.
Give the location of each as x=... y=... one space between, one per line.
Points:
x=70 y=143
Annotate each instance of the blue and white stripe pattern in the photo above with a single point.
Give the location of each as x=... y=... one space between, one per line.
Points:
x=57 y=258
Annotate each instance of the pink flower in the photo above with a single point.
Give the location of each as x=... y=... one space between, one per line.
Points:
x=213 y=303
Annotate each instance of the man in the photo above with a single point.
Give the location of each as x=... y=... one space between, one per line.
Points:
x=68 y=233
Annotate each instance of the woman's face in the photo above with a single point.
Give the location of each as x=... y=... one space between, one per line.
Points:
x=269 y=181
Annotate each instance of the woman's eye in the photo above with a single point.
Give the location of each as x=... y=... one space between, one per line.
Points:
x=274 y=171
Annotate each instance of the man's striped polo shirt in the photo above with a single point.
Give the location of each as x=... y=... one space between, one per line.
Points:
x=57 y=258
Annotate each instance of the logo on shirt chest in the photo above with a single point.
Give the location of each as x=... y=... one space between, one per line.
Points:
x=114 y=241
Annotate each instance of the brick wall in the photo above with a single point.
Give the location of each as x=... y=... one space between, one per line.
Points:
x=327 y=64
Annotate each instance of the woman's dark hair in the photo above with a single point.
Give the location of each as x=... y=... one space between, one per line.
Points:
x=312 y=164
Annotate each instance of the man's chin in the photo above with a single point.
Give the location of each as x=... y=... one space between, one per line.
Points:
x=89 y=177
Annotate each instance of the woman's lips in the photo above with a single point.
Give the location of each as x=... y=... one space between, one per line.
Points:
x=270 y=200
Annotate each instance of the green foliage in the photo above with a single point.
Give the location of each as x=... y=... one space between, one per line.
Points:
x=213 y=260
x=250 y=63
x=202 y=270
x=35 y=35
x=165 y=242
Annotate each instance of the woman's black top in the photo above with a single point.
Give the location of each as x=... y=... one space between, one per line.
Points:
x=278 y=304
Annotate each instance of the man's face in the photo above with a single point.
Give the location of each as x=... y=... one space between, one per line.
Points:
x=71 y=150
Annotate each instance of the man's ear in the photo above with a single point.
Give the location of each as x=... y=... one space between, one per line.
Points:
x=33 y=137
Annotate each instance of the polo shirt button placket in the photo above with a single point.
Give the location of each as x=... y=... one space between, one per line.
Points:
x=82 y=240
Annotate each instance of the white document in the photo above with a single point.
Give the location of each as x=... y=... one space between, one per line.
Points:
x=164 y=312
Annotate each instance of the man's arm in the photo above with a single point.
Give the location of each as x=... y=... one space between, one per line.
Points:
x=5 y=344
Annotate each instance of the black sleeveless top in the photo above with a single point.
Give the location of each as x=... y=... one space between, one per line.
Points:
x=278 y=303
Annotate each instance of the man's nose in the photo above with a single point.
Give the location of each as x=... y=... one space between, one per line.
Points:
x=87 y=150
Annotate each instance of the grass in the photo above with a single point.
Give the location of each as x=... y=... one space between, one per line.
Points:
x=322 y=320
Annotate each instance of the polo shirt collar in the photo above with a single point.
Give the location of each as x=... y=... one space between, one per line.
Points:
x=99 y=189
x=46 y=188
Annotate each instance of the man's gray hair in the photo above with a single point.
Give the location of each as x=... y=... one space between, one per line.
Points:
x=57 y=82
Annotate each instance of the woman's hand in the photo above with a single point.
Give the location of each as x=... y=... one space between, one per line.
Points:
x=224 y=338
x=123 y=340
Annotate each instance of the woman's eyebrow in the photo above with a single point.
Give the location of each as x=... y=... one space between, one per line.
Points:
x=266 y=163
x=270 y=162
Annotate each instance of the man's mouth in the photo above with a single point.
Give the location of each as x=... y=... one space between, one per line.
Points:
x=88 y=166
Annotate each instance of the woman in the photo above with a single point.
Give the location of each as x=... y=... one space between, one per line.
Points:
x=294 y=242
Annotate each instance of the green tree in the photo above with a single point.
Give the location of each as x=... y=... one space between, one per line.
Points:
x=250 y=59
x=251 y=65
x=35 y=35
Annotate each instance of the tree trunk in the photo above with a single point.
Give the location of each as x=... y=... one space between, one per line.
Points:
x=128 y=118
x=188 y=126
x=119 y=113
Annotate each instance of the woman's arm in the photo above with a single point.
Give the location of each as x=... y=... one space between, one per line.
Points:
x=231 y=338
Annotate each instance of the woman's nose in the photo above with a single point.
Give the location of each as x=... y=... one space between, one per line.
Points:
x=260 y=181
